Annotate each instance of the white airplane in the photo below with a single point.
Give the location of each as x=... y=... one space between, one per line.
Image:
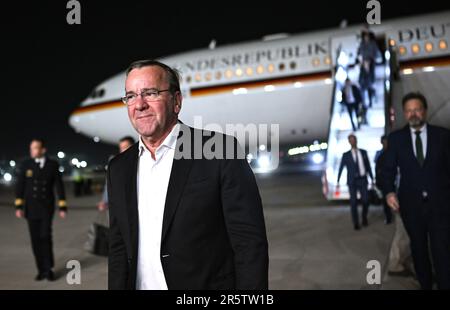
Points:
x=290 y=80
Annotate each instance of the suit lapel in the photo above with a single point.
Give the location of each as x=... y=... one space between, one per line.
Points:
x=177 y=181
x=430 y=136
x=132 y=200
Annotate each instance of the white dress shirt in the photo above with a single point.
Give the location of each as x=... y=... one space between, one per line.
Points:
x=40 y=161
x=349 y=94
x=152 y=182
x=423 y=137
x=362 y=169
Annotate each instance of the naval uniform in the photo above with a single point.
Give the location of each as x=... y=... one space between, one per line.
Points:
x=36 y=179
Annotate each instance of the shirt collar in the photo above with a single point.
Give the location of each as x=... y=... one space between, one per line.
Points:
x=423 y=129
x=170 y=141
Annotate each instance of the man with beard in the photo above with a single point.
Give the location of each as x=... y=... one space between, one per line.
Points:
x=421 y=153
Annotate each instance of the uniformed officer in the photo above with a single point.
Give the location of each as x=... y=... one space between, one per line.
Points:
x=36 y=179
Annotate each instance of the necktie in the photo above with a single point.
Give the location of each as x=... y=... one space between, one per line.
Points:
x=419 y=148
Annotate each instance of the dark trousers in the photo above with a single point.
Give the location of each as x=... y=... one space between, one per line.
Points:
x=387 y=211
x=359 y=184
x=427 y=235
x=352 y=108
x=41 y=242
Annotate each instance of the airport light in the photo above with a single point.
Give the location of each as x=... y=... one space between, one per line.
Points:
x=61 y=169
x=83 y=164
x=74 y=161
x=343 y=59
x=269 y=88
x=341 y=75
x=408 y=71
x=317 y=158
x=249 y=157
x=96 y=139
x=264 y=161
x=12 y=163
x=61 y=155
x=262 y=147
x=7 y=177
x=428 y=69
x=240 y=91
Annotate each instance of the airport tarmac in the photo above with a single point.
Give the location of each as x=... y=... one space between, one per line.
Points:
x=312 y=244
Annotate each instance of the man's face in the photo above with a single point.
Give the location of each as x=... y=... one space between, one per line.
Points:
x=415 y=113
x=124 y=145
x=36 y=149
x=352 y=141
x=154 y=118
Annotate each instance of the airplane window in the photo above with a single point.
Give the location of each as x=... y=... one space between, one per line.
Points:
x=402 y=50
x=293 y=65
x=443 y=45
x=238 y=72
x=218 y=75
x=270 y=68
x=228 y=73
x=198 y=77
x=428 y=46
x=327 y=60
x=260 y=69
x=188 y=79
x=208 y=76
x=415 y=48
x=281 y=66
x=101 y=92
x=249 y=71
x=315 y=62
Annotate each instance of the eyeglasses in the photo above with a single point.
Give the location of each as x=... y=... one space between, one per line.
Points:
x=147 y=95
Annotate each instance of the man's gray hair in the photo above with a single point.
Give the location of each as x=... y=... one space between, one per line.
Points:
x=172 y=74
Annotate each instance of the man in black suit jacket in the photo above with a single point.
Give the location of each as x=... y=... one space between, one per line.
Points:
x=351 y=98
x=421 y=152
x=36 y=179
x=210 y=231
x=358 y=168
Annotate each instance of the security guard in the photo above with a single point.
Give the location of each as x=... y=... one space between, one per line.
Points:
x=36 y=178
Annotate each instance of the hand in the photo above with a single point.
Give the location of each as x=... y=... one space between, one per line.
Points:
x=62 y=214
x=19 y=214
x=392 y=201
x=102 y=206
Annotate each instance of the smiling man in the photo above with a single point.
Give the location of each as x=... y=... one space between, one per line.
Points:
x=179 y=222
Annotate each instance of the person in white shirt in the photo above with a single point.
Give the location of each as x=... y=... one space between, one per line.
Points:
x=177 y=221
x=358 y=169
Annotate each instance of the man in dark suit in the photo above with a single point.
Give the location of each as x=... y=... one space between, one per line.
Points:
x=421 y=152
x=179 y=221
x=351 y=98
x=36 y=179
x=358 y=168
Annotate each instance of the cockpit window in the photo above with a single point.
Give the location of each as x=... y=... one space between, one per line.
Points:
x=97 y=93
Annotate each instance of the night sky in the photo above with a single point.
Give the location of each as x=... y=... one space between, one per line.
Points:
x=49 y=67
